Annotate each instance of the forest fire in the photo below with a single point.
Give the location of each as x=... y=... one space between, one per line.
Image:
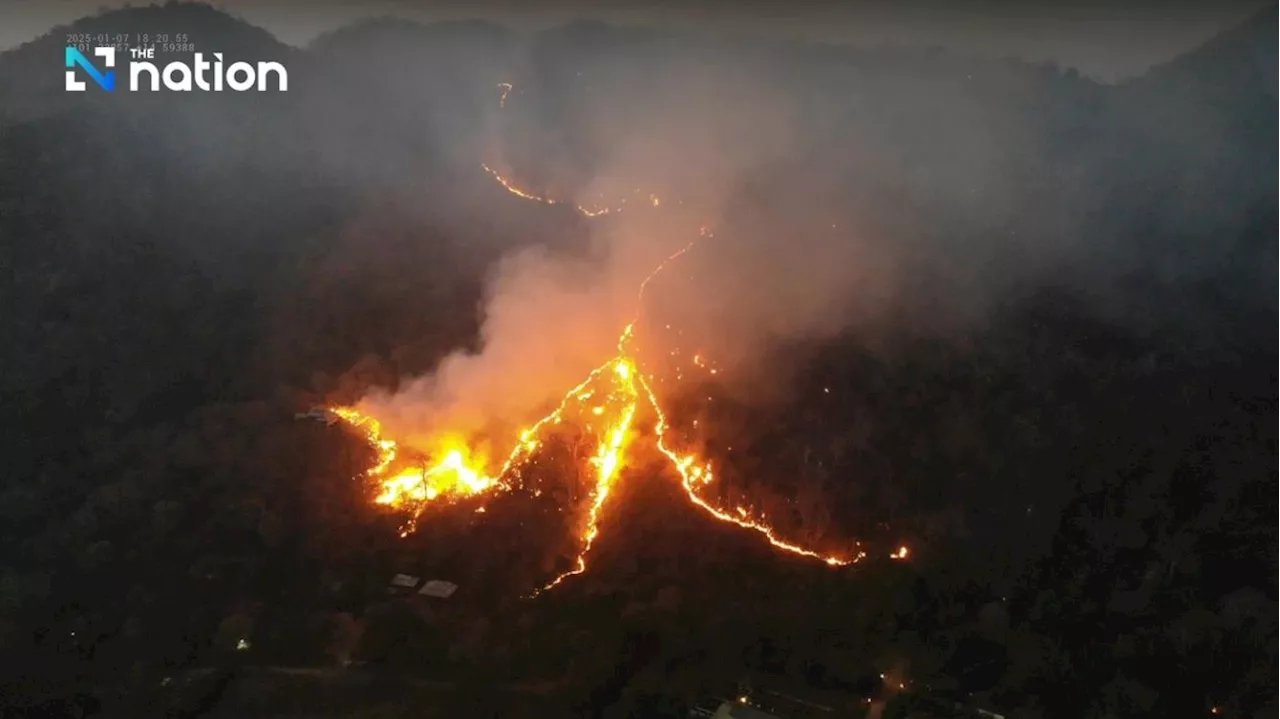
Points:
x=456 y=474
x=518 y=192
x=614 y=391
x=611 y=395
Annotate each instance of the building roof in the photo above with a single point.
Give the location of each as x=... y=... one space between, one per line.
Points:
x=438 y=588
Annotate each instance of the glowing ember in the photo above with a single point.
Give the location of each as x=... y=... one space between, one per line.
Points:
x=900 y=553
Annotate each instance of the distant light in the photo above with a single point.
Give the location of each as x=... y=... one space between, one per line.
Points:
x=743 y=699
x=242 y=645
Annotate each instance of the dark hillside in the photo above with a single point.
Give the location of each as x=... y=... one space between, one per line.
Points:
x=1054 y=378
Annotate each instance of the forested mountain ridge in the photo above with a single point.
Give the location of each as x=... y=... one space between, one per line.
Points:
x=1083 y=451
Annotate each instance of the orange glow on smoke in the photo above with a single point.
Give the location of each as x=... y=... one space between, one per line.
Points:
x=614 y=392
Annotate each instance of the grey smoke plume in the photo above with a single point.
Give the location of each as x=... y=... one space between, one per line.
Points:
x=838 y=192
x=693 y=143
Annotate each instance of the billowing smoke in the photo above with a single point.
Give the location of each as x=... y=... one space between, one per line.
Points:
x=675 y=164
x=838 y=195
x=547 y=320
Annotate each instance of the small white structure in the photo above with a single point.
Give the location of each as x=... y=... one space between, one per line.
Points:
x=404 y=580
x=438 y=588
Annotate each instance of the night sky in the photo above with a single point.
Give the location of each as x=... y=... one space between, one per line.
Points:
x=1109 y=41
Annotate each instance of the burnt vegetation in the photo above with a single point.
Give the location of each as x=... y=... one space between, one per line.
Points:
x=1084 y=466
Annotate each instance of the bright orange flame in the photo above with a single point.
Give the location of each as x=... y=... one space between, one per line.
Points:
x=608 y=457
x=619 y=407
x=694 y=474
x=457 y=474
x=607 y=461
x=900 y=553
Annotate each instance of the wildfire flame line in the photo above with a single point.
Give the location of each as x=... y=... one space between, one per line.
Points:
x=692 y=474
x=454 y=476
x=608 y=459
x=518 y=191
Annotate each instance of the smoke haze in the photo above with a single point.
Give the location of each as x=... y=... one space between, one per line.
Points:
x=1107 y=40
x=847 y=190
x=839 y=197
x=694 y=140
